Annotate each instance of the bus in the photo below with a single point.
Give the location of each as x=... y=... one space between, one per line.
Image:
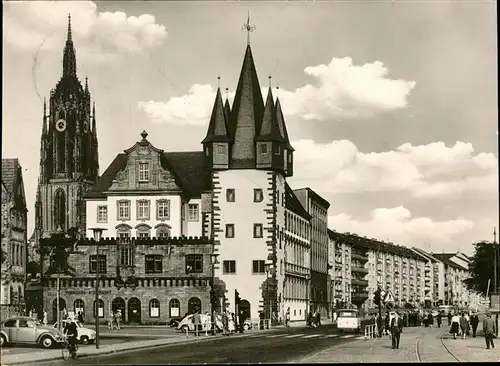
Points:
x=446 y=309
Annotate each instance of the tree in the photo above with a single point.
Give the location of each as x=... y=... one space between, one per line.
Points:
x=57 y=248
x=481 y=267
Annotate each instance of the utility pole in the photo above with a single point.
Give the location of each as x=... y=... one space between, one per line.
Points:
x=495 y=260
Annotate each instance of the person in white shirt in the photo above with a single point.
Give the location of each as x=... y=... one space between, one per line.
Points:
x=455 y=325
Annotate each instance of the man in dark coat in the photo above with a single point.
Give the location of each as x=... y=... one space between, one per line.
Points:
x=396 y=329
x=449 y=318
x=386 y=322
x=474 y=322
x=439 y=319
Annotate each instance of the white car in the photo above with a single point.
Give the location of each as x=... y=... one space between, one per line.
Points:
x=85 y=335
x=187 y=323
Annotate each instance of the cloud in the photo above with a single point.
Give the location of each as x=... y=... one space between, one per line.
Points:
x=426 y=171
x=342 y=90
x=396 y=225
x=97 y=35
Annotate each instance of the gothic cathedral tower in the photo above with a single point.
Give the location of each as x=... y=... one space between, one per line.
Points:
x=249 y=154
x=68 y=154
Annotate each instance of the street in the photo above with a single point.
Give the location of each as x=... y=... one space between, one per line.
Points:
x=280 y=345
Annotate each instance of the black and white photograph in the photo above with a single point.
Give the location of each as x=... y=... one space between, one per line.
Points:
x=238 y=182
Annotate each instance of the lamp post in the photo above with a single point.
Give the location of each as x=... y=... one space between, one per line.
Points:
x=213 y=261
x=97 y=237
x=307 y=296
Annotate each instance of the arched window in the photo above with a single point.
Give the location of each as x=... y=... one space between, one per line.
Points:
x=194 y=305
x=123 y=233
x=101 y=308
x=143 y=232
x=163 y=231
x=79 y=306
x=154 y=308
x=175 y=308
x=20 y=297
x=60 y=209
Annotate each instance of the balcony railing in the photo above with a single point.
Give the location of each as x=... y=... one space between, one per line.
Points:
x=359 y=269
x=355 y=281
x=359 y=256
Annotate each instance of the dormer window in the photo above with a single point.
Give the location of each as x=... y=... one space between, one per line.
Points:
x=143 y=172
x=263 y=148
x=220 y=149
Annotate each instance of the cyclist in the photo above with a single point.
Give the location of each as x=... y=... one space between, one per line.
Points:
x=71 y=332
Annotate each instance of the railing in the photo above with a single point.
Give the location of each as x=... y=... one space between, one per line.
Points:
x=371 y=331
x=209 y=328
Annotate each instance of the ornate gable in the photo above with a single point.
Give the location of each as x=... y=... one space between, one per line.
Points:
x=144 y=170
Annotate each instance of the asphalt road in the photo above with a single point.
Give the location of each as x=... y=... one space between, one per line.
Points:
x=281 y=345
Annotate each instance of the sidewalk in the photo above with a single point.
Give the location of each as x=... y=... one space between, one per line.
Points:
x=473 y=349
x=89 y=351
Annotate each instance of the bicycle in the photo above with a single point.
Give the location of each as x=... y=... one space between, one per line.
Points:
x=69 y=350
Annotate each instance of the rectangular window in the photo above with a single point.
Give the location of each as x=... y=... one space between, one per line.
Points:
x=193 y=212
x=143 y=172
x=257 y=230
x=277 y=151
x=263 y=148
x=220 y=149
x=163 y=210
x=259 y=266
x=143 y=210
x=194 y=263
x=258 y=195
x=143 y=234
x=229 y=230
x=229 y=266
x=154 y=263
x=102 y=264
x=230 y=195
x=102 y=213
x=123 y=210
x=126 y=256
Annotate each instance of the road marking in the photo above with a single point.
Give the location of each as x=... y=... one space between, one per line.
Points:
x=294 y=335
x=312 y=336
x=348 y=336
x=274 y=335
x=332 y=335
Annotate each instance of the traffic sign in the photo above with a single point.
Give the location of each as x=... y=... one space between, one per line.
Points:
x=389 y=298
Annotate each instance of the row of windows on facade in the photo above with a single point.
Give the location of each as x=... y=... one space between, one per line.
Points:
x=174 y=306
x=296 y=225
x=154 y=263
x=220 y=149
x=13 y=297
x=143 y=210
x=16 y=254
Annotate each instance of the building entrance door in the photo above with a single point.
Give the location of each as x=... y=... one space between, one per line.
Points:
x=244 y=309
x=134 y=310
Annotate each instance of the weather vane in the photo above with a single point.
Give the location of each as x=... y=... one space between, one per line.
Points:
x=249 y=28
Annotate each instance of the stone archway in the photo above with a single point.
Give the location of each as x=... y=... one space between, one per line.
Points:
x=244 y=309
x=194 y=305
x=62 y=305
x=134 y=310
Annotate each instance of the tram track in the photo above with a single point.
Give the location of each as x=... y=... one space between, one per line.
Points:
x=418 y=353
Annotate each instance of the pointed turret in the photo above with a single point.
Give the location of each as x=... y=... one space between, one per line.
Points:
x=227 y=108
x=288 y=148
x=246 y=115
x=269 y=130
x=216 y=143
x=69 y=58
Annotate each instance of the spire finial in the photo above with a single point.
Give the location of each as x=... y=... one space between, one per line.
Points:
x=277 y=89
x=218 y=81
x=227 y=93
x=270 y=77
x=69 y=28
x=144 y=134
x=249 y=28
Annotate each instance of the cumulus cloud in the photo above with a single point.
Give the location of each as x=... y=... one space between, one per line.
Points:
x=342 y=90
x=426 y=171
x=98 y=35
x=397 y=225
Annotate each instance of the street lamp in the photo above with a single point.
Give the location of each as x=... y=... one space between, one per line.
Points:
x=307 y=296
x=269 y=271
x=213 y=261
x=97 y=237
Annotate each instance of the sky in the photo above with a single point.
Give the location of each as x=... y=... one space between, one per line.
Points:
x=391 y=106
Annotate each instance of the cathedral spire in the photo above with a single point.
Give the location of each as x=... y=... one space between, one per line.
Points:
x=69 y=58
x=94 y=130
x=44 y=122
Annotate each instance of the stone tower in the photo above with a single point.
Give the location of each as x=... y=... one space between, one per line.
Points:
x=69 y=151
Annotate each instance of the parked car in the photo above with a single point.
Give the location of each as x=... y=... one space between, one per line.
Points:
x=174 y=322
x=187 y=322
x=348 y=319
x=23 y=329
x=85 y=335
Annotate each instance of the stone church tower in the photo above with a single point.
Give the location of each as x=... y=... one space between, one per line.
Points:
x=69 y=152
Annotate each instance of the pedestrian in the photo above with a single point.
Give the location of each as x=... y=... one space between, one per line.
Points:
x=230 y=325
x=111 y=319
x=489 y=330
x=474 y=322
x=287 y=317
x=455 y=325
x=310 y=318
x=241 y=321
x=439 y=319
x=80 y=317
x=45 y=316
x=380 y=326
x=464 y=326
x=318 y=319
x=405 y=319
x=430 y=319
x=387 y=323
x=396 y=330
x=197 y=323
x=65 y=314
x=118 y=318
x=449 y=317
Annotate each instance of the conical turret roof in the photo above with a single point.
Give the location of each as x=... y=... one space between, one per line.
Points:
x=217 y=129
x=282 y=125
x=270 y=130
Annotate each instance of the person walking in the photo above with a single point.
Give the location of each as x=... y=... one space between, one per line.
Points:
x=439 y=319
x=111 y=319
x=455 y=325
x=449 y=317
x=80 y=317
x=464 y=326
x=197 y=323
x=396 y=330
x=474 y=322
x=387 y=323
x=44 y=319
x=489 y=330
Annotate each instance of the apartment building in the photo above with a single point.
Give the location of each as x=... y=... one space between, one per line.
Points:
x=456 y=270
x=434 y=270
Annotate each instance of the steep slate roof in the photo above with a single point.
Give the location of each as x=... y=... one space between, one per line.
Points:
x=9 y=173
x=293 y=204
x=217 y=128
x=446 y=259
x=270 y=129
x=186 y=166
x=373 y=244
x=282 y=124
